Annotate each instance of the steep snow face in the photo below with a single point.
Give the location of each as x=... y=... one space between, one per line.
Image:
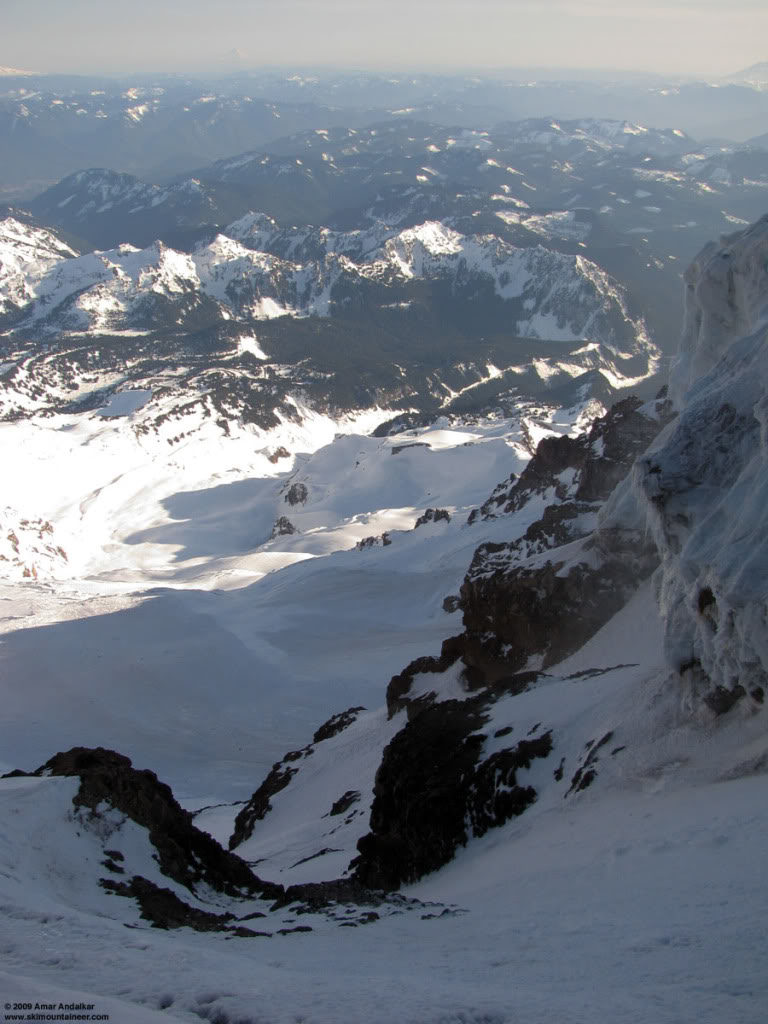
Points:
x=706 y=484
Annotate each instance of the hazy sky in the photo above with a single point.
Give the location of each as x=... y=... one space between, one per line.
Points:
x=686 y=36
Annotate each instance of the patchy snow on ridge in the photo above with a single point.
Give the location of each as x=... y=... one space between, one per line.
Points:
x=561 y=297
x=557 y=224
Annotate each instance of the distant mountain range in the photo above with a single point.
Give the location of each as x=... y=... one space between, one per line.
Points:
x=633 y=200
x=159 y=126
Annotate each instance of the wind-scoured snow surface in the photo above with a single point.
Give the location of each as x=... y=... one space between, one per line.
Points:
x=215 y=607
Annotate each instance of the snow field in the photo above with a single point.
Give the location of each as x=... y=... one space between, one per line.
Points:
x=176 y=598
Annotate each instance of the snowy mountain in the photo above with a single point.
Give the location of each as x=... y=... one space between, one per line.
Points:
x=578 y=302
x=413 y=319
x=54 y=125
x=635 y=200
x=755 y=76
x=26 y=254
x=331 y=175
x=127 y=207
x=568 y=605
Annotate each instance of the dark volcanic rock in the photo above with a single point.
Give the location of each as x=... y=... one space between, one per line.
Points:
x=558 y=525
x=317 y=895
x=600 y=458
x=721 y=700
x=514 y=609
x=369 y=542
x=400 y=685
x=397 y=448
x=297 y=494
x=283 y=527
x=164 y=908
x=185 y=854
x=336 y=724
x=431 y=784
x=259 y=805
x=419 y=806
x=514 y=612
x=615 y=441
x=586 y=773
x=352 y=796
x=432 y=515
x=494 y=795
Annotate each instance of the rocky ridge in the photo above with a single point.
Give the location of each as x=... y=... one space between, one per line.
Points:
x=207 y=887
x=126 y=287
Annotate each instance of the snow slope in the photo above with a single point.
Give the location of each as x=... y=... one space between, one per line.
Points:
x=644 y=899
x=185 y=532
x=632 y=886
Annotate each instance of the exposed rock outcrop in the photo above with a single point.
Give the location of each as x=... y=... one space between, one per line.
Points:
x=371 y=542
x=582 y=469
x=337 y=723
x=518 y=606
x=433 y=789
x=545 y=611
x=400 y=684
x=432 y=515
x=184 y=853
x=296 y=494
x=259 y=804
x=283 y=527
x=164 y=909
